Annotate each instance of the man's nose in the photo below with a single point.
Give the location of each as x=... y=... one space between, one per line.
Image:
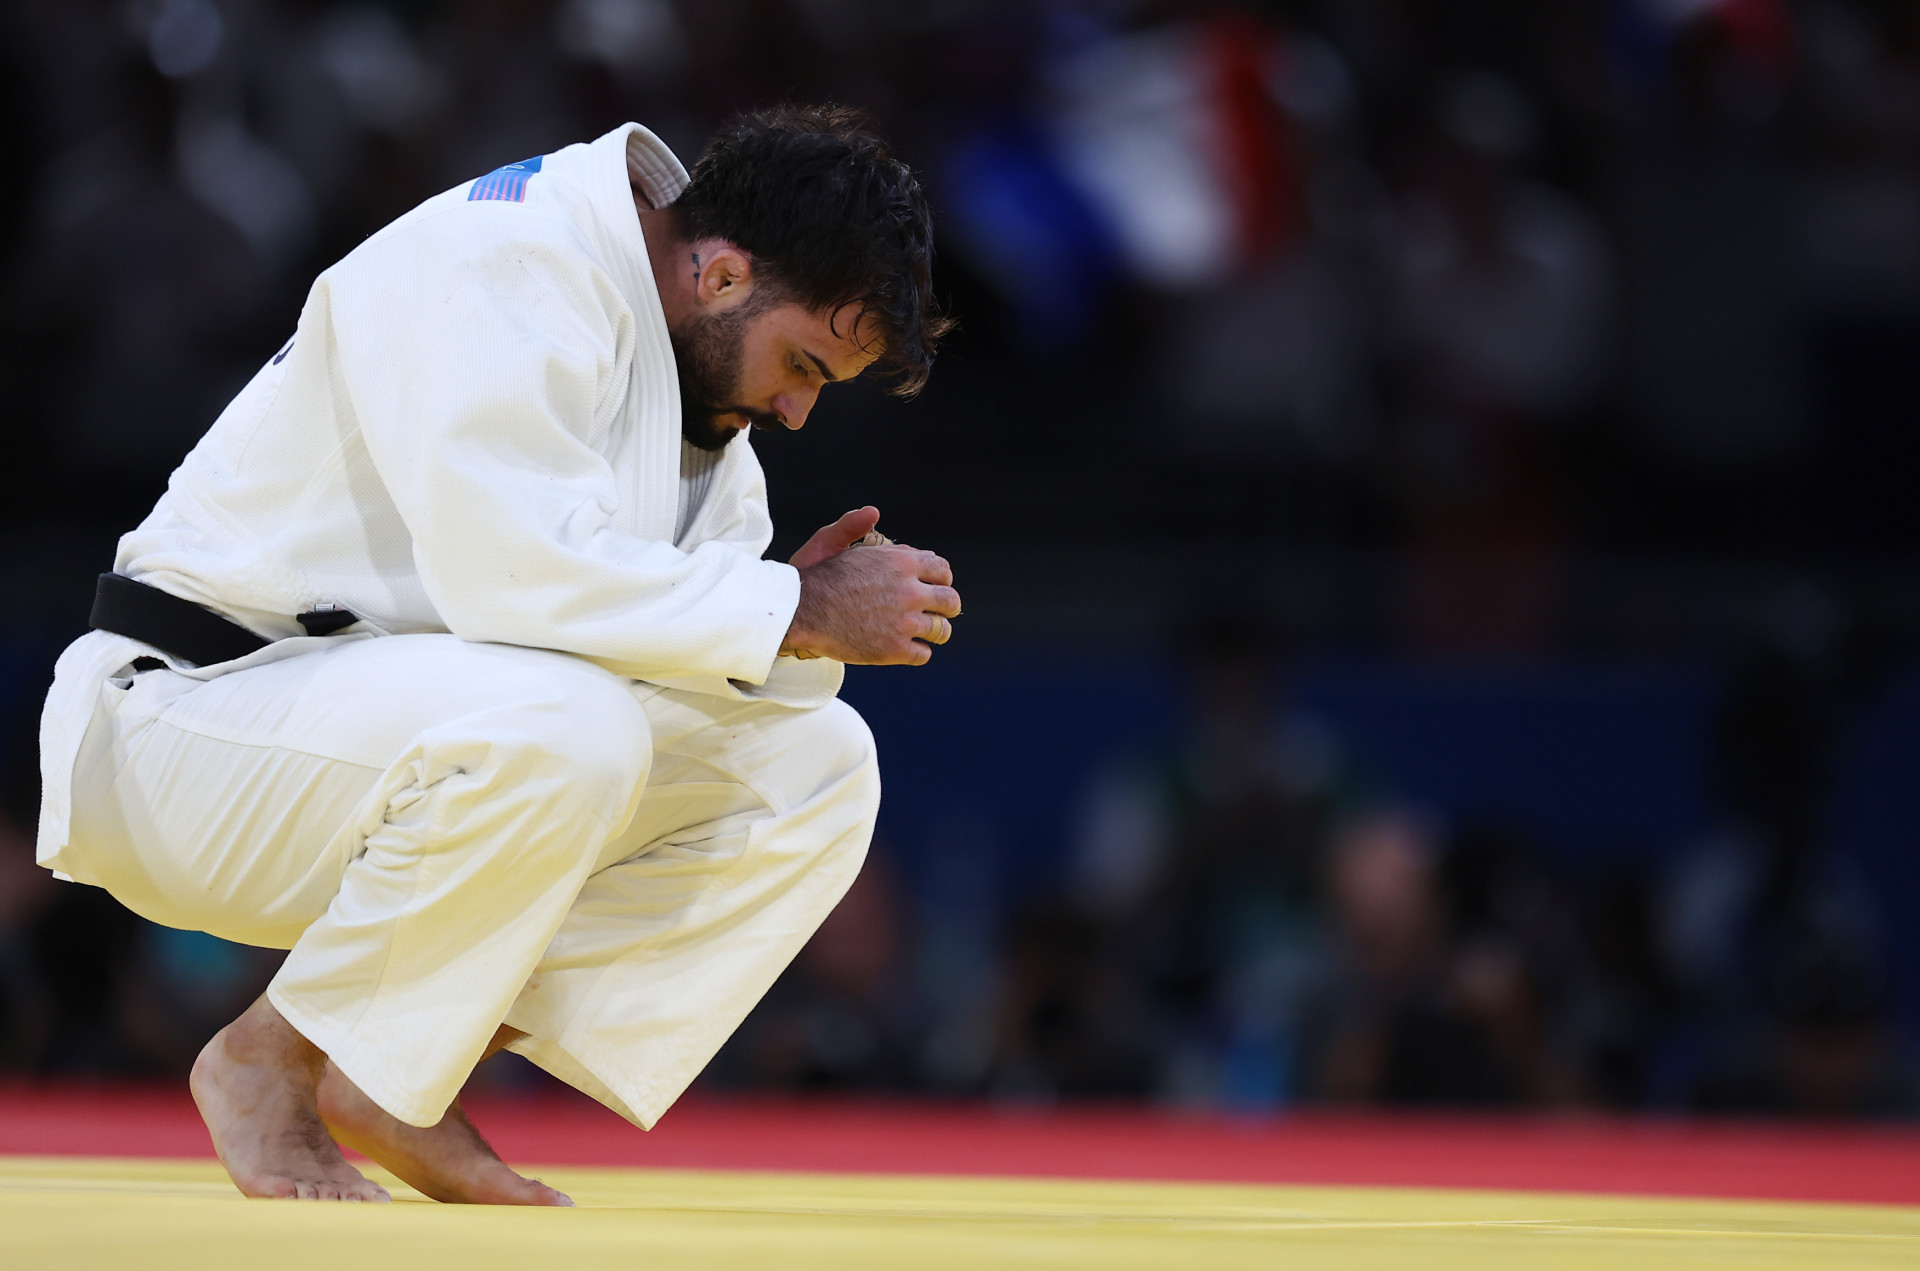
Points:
x=793 y=408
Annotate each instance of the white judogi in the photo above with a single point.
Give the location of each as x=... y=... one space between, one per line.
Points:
x=558 y=776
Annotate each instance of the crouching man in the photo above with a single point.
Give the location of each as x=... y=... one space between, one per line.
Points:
x=449 y=661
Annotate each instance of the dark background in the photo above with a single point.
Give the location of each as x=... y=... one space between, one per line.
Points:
x=1433 y=486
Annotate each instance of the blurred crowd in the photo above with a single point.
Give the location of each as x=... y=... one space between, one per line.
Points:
x=1247 y=919
x=1492 y=286
x=1496 y=292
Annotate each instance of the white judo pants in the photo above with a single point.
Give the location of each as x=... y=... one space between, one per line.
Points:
x=449 y=836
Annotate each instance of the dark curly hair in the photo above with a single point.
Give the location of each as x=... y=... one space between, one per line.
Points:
x=831 y=218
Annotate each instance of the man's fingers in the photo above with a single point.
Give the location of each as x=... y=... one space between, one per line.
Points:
x=857 y=524
x=934 y=629
x=942 y=600
x=830 y=540
x=934 y=569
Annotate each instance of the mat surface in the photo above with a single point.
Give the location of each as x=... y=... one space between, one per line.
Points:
x=83 y=1215
x=850 y=1185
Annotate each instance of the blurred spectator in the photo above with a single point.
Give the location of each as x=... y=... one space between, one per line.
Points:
x=1075 y=1020
x=1275 y=359
x=1506 y=285
x=143 y=293
x=1505 y=292
x=1774 y=933
x=1619 y=1008
x=1193 y=923
x=1419 y=1009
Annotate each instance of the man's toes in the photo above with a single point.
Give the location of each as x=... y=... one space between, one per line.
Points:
x=545 y=1195
x=354 y=1189
x=305 y=1191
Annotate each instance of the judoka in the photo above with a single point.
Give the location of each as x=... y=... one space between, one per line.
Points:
x=449 y=660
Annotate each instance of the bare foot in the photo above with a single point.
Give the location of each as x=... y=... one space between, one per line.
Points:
x=257 y=1087
x=449 y=1162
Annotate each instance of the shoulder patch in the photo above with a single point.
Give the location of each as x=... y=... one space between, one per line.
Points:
x=508 y=184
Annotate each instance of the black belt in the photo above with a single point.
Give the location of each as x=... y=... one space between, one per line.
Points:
x=183 y=629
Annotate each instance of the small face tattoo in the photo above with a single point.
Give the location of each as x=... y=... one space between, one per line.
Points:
x=696 y=266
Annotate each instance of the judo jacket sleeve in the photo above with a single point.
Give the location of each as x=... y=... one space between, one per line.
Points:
x=496 y=382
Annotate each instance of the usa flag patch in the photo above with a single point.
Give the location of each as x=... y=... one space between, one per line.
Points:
x=508 y=184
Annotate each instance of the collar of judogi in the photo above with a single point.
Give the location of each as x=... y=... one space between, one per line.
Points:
x=653 y=169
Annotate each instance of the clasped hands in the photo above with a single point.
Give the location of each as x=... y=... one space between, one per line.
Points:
x=878 y=606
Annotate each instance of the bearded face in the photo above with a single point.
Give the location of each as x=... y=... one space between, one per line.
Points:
x=709 y=354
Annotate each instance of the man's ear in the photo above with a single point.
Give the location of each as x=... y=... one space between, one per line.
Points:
x=723 y=274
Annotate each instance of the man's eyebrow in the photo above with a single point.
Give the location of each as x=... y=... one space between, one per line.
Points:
x=825 y=374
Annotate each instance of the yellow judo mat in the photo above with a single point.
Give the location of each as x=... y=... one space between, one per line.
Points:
x=116 y=1215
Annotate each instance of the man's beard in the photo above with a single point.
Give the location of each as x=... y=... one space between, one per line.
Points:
x=709 y=353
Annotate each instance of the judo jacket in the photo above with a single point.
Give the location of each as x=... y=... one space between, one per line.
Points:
x=475 y=429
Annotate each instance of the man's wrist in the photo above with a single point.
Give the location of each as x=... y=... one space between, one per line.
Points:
x=801 y=640
x=781 y=599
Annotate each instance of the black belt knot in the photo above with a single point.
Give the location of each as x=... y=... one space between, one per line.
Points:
x=183 y=629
